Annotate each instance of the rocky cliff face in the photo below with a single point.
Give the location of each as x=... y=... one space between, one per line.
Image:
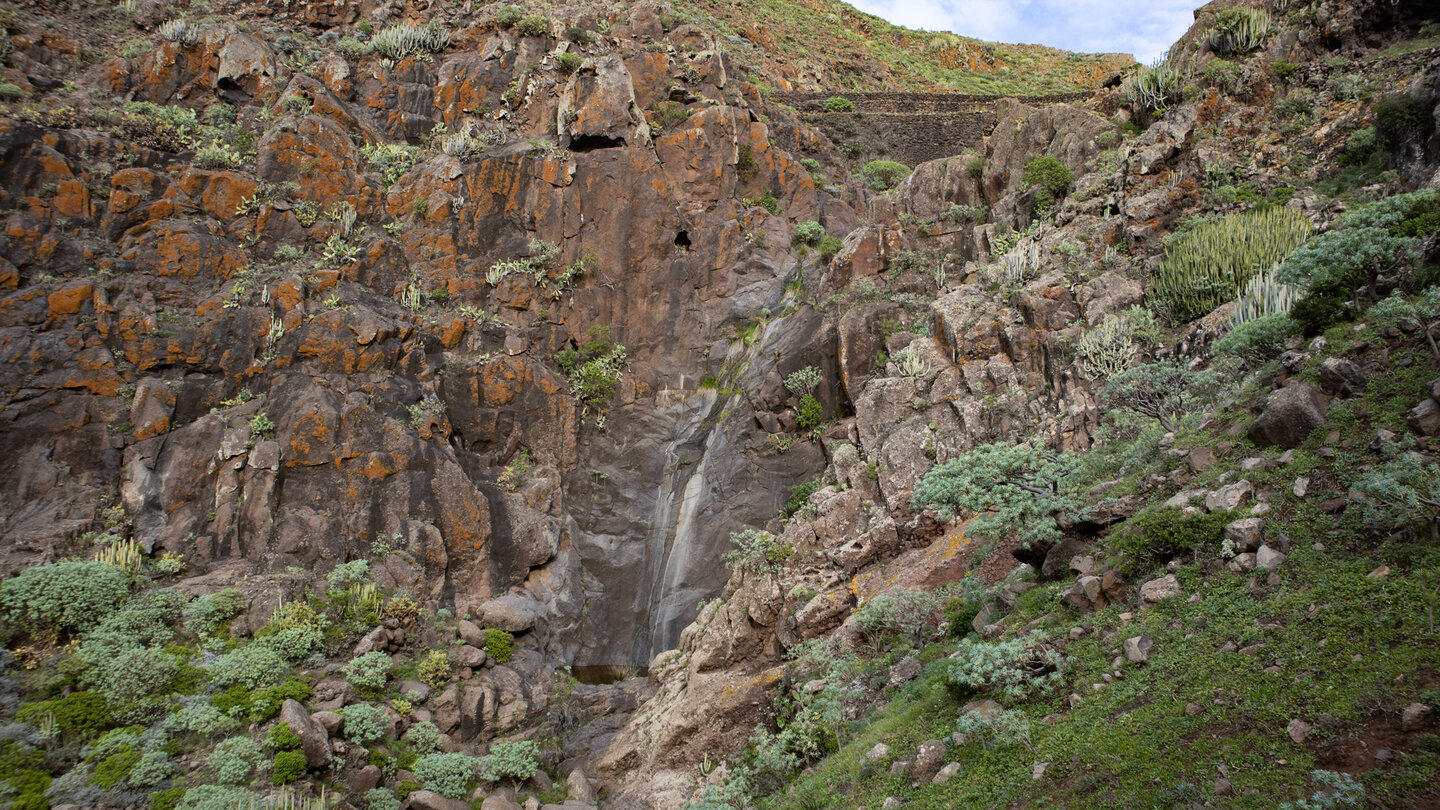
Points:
x=514 y=314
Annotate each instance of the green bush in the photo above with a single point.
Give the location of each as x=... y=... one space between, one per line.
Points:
x=1259 y=341
x=80 y=713
x=885 y=174
x=30 y=786
x=167 y=799
x=1053 y=178
x=447 y=774
x=809 y=413
x=1223 y=75
x=381 y=799
x=509 y=15
x=516 y=760
x=424 y=738
x=234 y=759
x=569 y=62
x=364 y=724
x=265 y=703
x=1012 y=488
x=499 y=645
x=368 y=671
x=214 y=797
x=110 y=771
x=1013 y=671
x=252 y=666
x=1208 y=265
x=136 y=681
x=829 y=246
x=533 y=25
x=204 y=612
x=1333 y=267
x=837 y=104
x=289 y=766
x=342 y=576
x=809 y=232
x=758 y=550
x=1151 y=537
x=1166 y=391
x=282 y=738
x=905 y=612
x=66 y=596
x=800 y=494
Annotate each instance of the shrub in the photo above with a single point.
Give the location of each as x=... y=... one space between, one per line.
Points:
x=214 y=797
x=1332 y=267
x=1208 y=265
x=251 y=666
x=1053 y=178
x=509 y=15
x=135 y=680
x=424 y=738
x=82 y=713
x=905 y=612
x=1011 y=670
x=381 y=799
x=344 y=575
x=809 y=413
x=499 y=644
x=114 y=768
x=434 y=668
x=758 y=550
x=364 y=724
x=265 y=703
x=569 y=62
x=289 y=766
x=447 y=774
x=829 y=246
x=390 y=159
x=234 y=759
x=282 y=738
x=295 y=644
x=885 y=174
x=1009 y=727
x=1164 y=390
x=809 y=232
x=800 y=494
x=1156 y=535
x=510 y=760
x=1013 y=488
x=368 y=671
x=1265 y=295
x=533 y=25
x=67 y=596
x=167 y=799
x=837 y=104
x=217 y=155
x=1223 y=74
x=1259 y=341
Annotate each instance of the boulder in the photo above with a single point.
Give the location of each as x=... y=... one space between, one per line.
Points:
x=1341 y=377
x=471 y=633
x=429 y=800
x=878 y=752
x=946 y=773
x=1424 y=418
x=579 y=786
x=1290 y=414
x=1137 y=649
x=1230 y=496
x=1245 y=533
x=928 y=759
x=1268 y=559
x=1200 y=459
x=1158 y=590
x=314 y=741
x=365 y=779
x=513 y=614
x=1416 y=716
x=333 y=722
x=468 y=656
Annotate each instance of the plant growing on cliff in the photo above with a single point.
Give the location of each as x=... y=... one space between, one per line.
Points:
x=1239 y=30
x=398 y=41
x=884 y=175
x=514 y=760
x=1011 y=488
x=368 y=672
x=1052 y=177
x=392 y=160
x=804 y=381
x=65 y=596
x=908 y=613
x=515 y=472
x=593 y=368
x=1156 y=86
x=1165 y=391
x=447 y=774
x=434 y=669
x=757 y=550
x=838 y=104
x=499 y=644
x=1210 y=264
x=1013 y=670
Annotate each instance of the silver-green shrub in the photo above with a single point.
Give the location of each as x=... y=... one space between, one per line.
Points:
x=234 y=759
x=1013 y=670
x=364 y=724
x=368 y=671
x=447 y=774
x=67 y=596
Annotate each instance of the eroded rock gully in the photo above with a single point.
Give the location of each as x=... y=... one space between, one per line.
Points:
x=261 y=410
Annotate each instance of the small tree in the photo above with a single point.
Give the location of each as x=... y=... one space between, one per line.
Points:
x=1053 y=178
x=1013 y=488
x=757 y=550
x=1164 y=390
x=884 y=174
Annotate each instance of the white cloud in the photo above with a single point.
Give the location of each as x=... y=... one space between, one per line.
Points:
x=1144 y=28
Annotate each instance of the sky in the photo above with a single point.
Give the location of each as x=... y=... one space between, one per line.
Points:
x=1144 y=28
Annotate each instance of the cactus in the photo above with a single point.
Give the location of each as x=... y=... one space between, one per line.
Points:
x=1155 y=86
x=1239 y=30
x=1107 y=349
x=1212 y=264
x=1263 y=295
x=911 y=361
x=399 y=41
x=124 y=554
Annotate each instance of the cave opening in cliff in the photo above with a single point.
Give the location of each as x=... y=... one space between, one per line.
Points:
x=589 y=143
x=682 y=239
